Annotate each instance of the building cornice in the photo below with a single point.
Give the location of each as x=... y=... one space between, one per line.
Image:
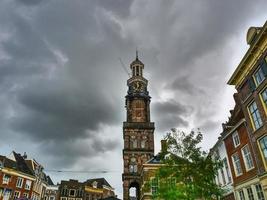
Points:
x=251 y=57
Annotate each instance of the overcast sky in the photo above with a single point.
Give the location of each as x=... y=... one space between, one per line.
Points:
x=62 y=86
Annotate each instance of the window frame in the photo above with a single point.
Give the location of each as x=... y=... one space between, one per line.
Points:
x=16 y=196
x=28 y=183
x=235 y=167
x=257 y=114
x=259 y=191
x=235 y=135
x=250 y=194
x=243 y=194
x=261 y=150
x=259 y=69
x=245 y=158
x=19 y=182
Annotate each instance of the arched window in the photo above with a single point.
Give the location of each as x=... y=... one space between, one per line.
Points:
x=143 y=144
x=134 y=142
x=133 y=165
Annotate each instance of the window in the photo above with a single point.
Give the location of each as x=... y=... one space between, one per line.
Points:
x=154 y=186
x=7 y=194
x=259 y=192
x=255 y=115
x=263 y=147
x=19 y=182
x=223 y=177
x=6 y=179
x=26 y=194
x=134 y=143
x=72 y=192
x=1 y=164
x=16 y=194
x=237 y=164
x=28 y=184
x=227 y=170
x=236 y=139
x=247 y=158
x=63 y=198
x=241 y=195
x=259 y=76
x=250 y=193
x=143 y=144
x=264 y=96
x=133 y=168
x=52 y=198
x=64 y=191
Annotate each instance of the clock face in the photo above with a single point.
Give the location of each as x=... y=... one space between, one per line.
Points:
x=137 y=86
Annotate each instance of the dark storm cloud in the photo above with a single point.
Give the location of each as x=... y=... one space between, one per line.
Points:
x=170 y=114
x=62 y=86
x=184 y=85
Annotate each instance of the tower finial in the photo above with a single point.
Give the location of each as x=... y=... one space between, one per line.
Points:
x=136 y=53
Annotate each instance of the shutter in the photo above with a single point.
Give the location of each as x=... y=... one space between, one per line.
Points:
x=264 y=67
x=251 y=83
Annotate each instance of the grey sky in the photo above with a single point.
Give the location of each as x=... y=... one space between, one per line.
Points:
x=62 y=87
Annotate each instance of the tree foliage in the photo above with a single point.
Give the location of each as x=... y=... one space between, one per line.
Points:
x=187 y=172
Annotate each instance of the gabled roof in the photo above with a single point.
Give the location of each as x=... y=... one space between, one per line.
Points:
x=49 y=180
x=100 y=182
x=18 y=163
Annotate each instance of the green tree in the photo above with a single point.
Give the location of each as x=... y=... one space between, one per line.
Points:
x=187 y=173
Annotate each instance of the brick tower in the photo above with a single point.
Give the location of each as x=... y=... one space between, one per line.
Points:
x=138 y=131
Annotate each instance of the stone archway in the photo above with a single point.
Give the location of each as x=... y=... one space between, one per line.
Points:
x=136 y=189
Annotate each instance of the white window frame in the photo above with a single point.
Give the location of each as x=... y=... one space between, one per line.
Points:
x=236 y=139
x=235 y=166
x=70 y=192
x=243 y=194
x=245 y=158
x=16 y=194
x=259 y=192
x=6 y=179
x=19 y=182
x=249 y=188
x=28 y=184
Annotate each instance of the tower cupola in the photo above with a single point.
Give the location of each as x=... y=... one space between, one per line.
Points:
x=137 y=66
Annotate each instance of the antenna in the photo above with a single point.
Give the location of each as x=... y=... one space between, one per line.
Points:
x=124 y=68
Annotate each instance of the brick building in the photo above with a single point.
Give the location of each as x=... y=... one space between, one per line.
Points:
x=16 y=179
x=250 y=81
x=92 y=189
x=51 y=192
x=241 y=155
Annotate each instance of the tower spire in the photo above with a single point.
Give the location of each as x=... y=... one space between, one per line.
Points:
x=136 y=53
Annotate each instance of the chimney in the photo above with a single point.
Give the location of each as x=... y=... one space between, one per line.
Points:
x=25 y=156
x=163 y=146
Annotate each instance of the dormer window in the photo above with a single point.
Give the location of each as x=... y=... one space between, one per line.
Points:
x=94 y=184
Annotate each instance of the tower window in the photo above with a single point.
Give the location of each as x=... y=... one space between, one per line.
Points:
x=137 y=70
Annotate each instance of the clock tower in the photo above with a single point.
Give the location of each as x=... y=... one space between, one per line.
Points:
x=138 y=131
